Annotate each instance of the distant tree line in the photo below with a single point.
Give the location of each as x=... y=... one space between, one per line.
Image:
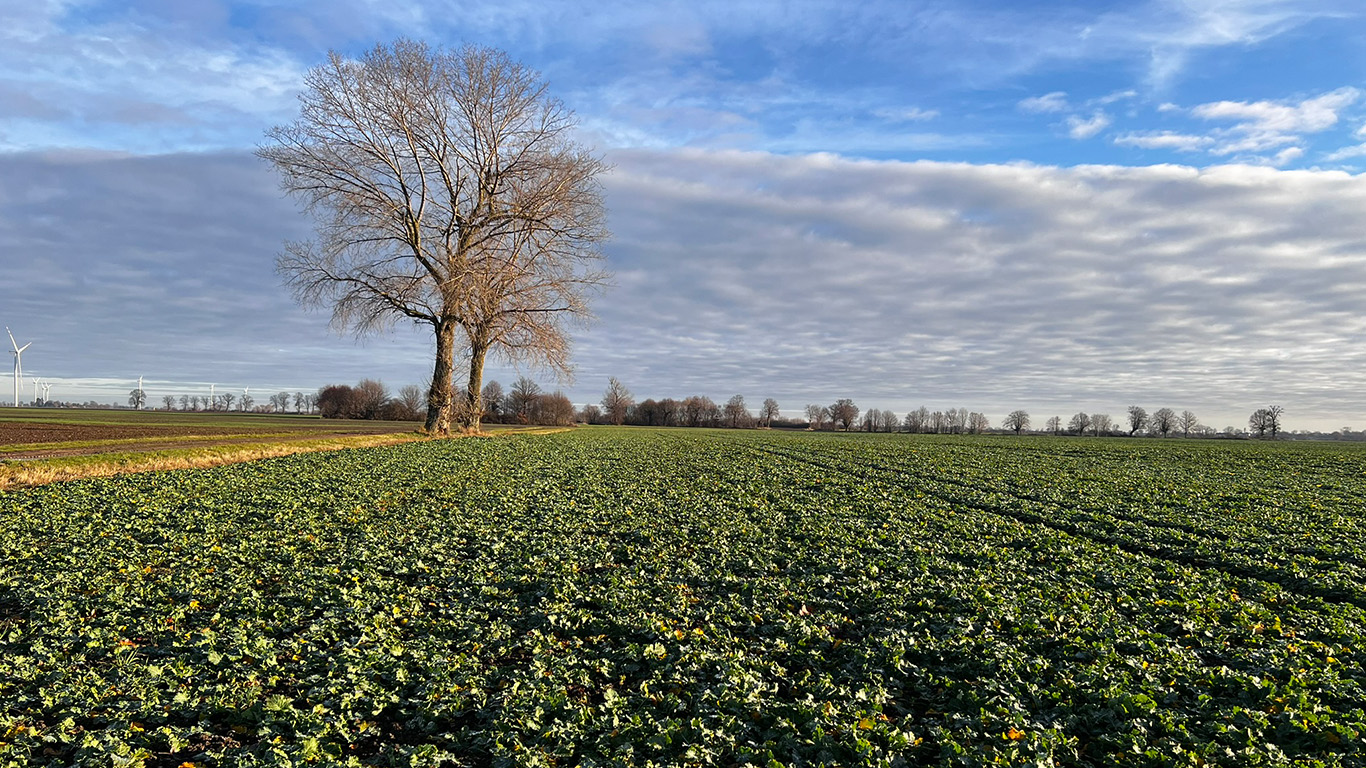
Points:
x=280 y=402
x=618 y=406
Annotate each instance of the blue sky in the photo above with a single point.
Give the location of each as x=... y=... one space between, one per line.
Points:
x=1057 y=206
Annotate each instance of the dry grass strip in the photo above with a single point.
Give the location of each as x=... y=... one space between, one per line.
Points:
x=19 y=474
x=26 y=473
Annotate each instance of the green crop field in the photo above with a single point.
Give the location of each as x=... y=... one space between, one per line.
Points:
x=630 y=597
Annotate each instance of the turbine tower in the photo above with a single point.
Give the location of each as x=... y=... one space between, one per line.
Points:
x=47 y=393
x=142 y=395
x=36 y=384
x=18 y=366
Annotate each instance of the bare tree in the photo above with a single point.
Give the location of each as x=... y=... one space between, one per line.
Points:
x=917 y=420
x=616 y=401
x=1101 y=424
x=669 y=409
x=1188 y=423
x=590 y=414
x=492 y=401
x=299 y=401
x=523 y=399
x=1163 y=421
x=555 y=409
x=1016 y=421
x=228 y=399
x=246 y=402
x=184 y=402
x=1266 y=420
x=409 y=401
x=370 y=398
x=1053 y=425
x=447 y=190
x=890 y=422
x=769 y=411
x=735 y=412
x=815 y=415
x=136 y=398
x=168 y=402
x=844 y=413
x=1080 y=421
x=1138 y=419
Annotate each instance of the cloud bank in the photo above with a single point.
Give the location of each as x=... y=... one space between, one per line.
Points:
x=804 y=278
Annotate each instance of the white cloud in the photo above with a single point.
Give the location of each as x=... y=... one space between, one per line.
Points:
x=1286 y=155
x=1085 y=128
x=1308 y=116
x=1346 y=153
x=1049 y=102
x=907 y=115
x=1179 y=142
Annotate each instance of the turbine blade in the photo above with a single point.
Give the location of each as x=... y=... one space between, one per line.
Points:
x=26 y=346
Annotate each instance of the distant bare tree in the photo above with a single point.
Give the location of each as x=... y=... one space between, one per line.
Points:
x=844 y=413
x=890 y=422
x=1266 y=420
x=1138 y=419
x=1079 y=423
x=769 y=411
x=447 y=190
x=871 y=418
x=136 y=398
x=409 y=402
x=590 y=414
x=168 y=402
x=1101 y=424
x=736 y=414
x=1188 y=423
x=669 y=409
x=1053 y=425
x=555 y=409
x=815 y=415
x=616 y=401
x=918 y=420
x=184 y=402
x=227 y=399
x=299 y=401
x=246 y=402
x=523 y=399
x=978 y=423
x=1016 y=421
x=1163 y=421
x=370 y=394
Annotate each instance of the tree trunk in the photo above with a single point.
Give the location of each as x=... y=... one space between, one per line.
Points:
x=474 y=407
x=439 y=396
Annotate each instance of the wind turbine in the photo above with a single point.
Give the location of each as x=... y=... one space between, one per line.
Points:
x=142 y=395
x=47 y=393
x=36 y=384
x=213 y=399
x=18 y=366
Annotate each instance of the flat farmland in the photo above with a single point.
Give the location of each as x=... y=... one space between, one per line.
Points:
x=634 y=597
x=45 y=432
